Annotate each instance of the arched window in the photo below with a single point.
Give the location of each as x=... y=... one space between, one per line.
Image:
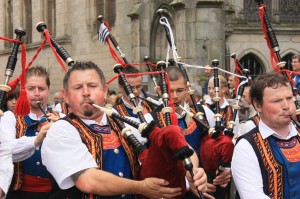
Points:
x=250 y=62
x=289 y=11
x=8 y=20
x=251 y=10
x=158 y=40
x=27 y=20
x=288 y=59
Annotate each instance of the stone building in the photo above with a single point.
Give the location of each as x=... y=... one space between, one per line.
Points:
x=203 y=30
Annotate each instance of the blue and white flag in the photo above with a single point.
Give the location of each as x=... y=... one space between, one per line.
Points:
x=103 y=33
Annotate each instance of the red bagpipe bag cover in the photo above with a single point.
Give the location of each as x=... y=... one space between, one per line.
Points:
x=214 y=152
x=157 y=161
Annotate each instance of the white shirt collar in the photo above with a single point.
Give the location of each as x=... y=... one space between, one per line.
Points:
x=183 y=113
x=102 y=122
x=266 y=131
x=33 y=116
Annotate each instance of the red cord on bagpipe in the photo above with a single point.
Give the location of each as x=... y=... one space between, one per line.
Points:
x=13 y=84
x=47 y=35
x=273 y=57
x=114 y=55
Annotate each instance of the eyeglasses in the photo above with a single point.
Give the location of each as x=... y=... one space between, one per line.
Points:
x=179 y=90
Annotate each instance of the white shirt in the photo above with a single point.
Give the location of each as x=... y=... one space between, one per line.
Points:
x=64 y=153
x=6 y=165
x=245 y=168
x=57 y=108
x=23 y=147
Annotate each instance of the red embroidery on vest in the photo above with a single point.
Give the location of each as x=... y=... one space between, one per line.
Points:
x=274 y=170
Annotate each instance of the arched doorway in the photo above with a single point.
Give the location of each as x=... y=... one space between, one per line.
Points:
x=251 y=63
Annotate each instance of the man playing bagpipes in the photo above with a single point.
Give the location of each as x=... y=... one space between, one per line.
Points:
x=91 y=157
x=266 y=160
x=124 y=106
x=178 y=89
x=219 y=145
x=26 y=134
x=167 y=145
x=225 y=109
x=193 y=133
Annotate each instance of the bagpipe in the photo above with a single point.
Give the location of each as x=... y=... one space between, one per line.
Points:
x=163 y=157
x=216 y=149
x=273 y=45
x=229 y=123
x=59 y=52
x=198 y=116
x=56 y=48
x=168 y=154
x=244 y=75
x=216 y=99
x=22 y=106
x=10 y=67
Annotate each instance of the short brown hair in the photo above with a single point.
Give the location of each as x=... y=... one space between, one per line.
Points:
x=297 y=56
x=39 y=71
x=272 y=80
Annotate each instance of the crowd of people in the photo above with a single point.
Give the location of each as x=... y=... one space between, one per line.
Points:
x=72 y=149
